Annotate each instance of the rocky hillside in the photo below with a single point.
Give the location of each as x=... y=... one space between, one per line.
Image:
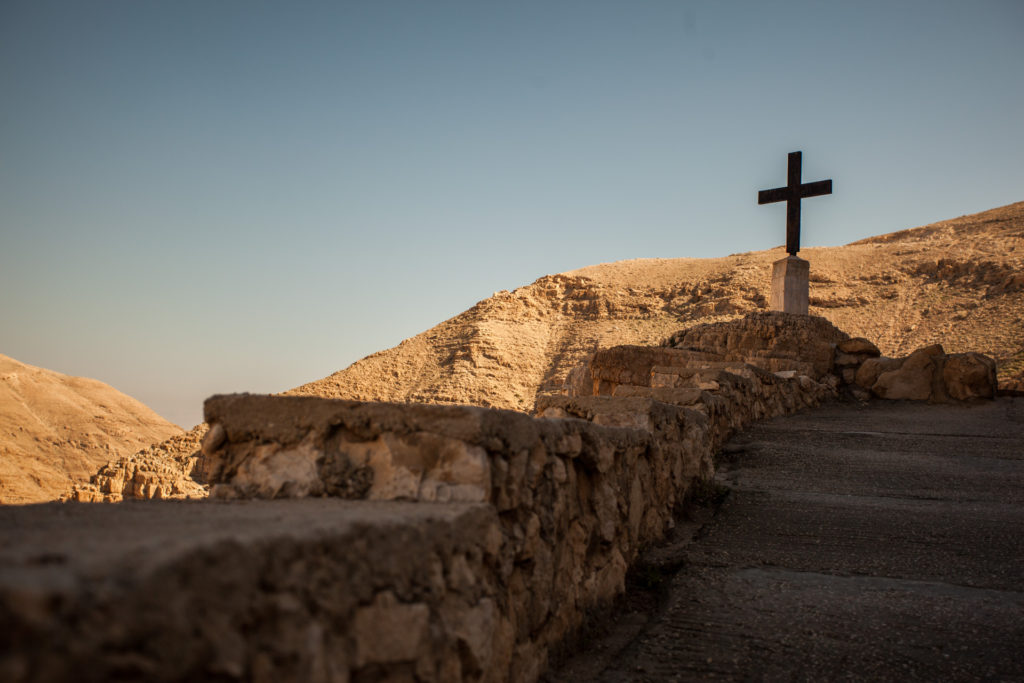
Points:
x=958 y=282
x=56 y=430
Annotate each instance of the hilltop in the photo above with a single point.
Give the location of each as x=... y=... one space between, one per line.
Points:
x=958 y=282
x=56 y=430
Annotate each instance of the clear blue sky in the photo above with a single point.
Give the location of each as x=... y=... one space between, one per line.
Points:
x=215 y=196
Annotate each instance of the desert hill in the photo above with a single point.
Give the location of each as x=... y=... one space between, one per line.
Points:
x=56 y=429
x=958 y=282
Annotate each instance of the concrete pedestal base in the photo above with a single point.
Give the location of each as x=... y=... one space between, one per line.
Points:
x=790 y=278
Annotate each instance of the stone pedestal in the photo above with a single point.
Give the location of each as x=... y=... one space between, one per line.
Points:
x=790 y=278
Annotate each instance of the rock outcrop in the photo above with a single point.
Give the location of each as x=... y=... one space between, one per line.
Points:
x=171 y=469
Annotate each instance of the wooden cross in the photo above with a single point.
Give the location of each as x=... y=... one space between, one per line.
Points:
x=792 y=194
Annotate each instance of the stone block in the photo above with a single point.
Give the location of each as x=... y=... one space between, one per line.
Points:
x=859 y=346
x=869 y=371
x=790 y=285
x=771 y=340
x=915 y=377
x=969 y=376
x=386 y=631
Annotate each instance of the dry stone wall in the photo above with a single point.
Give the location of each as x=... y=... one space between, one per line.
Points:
x=575 y=500
x=578 y=491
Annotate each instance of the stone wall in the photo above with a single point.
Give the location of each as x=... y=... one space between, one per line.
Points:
x=575 y=500
x=309 y=591
x=521 y=526
x=578 y=491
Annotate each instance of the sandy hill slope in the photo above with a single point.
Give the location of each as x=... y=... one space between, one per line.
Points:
x=958 y=282
x=56 y=429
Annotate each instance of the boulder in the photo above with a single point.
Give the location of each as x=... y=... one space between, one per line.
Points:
x=859 y=346
x=969 y=375
x=870 y=370
x=914 y=378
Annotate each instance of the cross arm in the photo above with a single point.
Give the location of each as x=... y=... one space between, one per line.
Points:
x=816 y=189
x=779 y=194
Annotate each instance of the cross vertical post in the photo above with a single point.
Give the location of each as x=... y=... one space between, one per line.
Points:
x=794 y=169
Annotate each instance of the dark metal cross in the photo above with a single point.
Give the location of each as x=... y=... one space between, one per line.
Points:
x=792 y=194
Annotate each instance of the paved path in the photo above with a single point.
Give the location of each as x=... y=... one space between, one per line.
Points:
x=883 y=542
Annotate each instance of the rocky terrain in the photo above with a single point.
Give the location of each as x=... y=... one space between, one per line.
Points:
x=958 y=282
x=56 y=430
x=166 y=470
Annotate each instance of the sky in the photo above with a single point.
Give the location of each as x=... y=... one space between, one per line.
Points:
x=202 y=197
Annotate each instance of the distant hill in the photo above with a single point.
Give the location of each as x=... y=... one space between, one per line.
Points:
x=958 y=282
x=56 y=430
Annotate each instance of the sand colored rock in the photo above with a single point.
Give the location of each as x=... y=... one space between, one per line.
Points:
x=868 y=373
x=168 y=470
x=913 y=379
x=859 y=346
x=969 y=376
x=774 y=341
x=929 y=374
x=57 y=430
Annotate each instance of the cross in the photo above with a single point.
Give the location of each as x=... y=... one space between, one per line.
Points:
x=792 y=194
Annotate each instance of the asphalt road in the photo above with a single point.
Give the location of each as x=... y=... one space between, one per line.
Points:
x=878 y=542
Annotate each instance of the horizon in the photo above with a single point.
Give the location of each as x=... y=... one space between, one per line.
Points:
x=205 y=199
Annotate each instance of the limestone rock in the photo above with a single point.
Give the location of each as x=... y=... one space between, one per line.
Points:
x=306 y=590
x=870 y=370
x=172 y=469
x=859 y=346
x=969 y=375
x=913 y=380
x=579 y=381
x=387 y=632
x=928 y=374
x=773 y=341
